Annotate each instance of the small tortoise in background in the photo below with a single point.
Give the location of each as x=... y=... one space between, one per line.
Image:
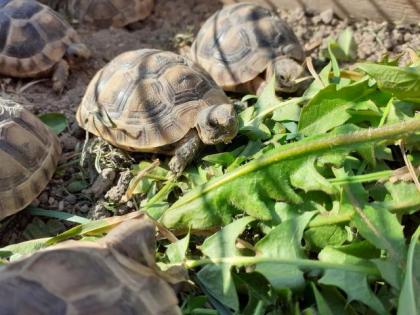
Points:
x=105 y=13
x=29 y=153
x=155 y=101
x=244 y=44
x=116 y=275
x=35 y=42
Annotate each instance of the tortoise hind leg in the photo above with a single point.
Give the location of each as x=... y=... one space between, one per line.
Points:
x=185 y=152
x=60 y=76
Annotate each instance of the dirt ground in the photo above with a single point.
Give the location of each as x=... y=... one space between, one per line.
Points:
x=169 y=19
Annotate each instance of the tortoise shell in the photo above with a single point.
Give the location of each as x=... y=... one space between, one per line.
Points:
x=147 y=99
x=33 y=38
x=106 y=13
x=238 y=42
x=82 y=277
x=29 y=153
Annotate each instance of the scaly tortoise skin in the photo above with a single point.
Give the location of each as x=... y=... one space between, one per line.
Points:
x=155 y=101
x=242 y=43
x=29 y=153
x=105 y=13
x=35 y=41
x=116 y=275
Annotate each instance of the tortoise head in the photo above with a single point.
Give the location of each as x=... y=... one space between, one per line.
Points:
x=217 y=124
x=287 y=71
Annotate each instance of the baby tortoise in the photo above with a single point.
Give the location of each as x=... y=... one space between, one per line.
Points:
x=244 y=44
x=116 y=275
x=156 y=101
x=36 y=42
x=29 y=153
x=105 y=13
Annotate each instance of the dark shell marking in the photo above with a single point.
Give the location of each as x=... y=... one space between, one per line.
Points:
x=237 y=43
x=151 y=96
x=29 y=153
x=106 y=13
x=33 y=38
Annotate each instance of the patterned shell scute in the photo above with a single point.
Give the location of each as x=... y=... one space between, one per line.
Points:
x=106 y=13
x=146 y=99
x=29 y=153
x=82 y=280
x=33 y=38
x=237 y=43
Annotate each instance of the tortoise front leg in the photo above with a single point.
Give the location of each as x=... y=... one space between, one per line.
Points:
x=185 y=152
x=60 y=76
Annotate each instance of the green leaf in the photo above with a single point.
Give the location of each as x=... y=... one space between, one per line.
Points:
x=402 y=82
x=408 y=301
x=321 y=304
x=383 y=230
x=403 y=197
x=399 y=111
x=16 y=251
x=218 y=278
x=219 y=285
x=320 y=237
x=354 y=284
x=317 y=85
x=288 y=112
x=76 y=186
x=223 y=158
x=254 y=187
x=284 y=241
x=257 y=286
x=176 y=251
x=347 y=44
x=194 y=302
x=329 y=108
x=57 y=215
x=222 y=243
x=39 y=228
x=251 y=119
x=334 y=63
x=55 y=121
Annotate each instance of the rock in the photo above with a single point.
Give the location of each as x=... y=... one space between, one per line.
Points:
x=61 y=205
x=99 y=212
x=71 y=199
x=85 y=208
x=115 y=193
x=102 y=183
x=68 y=142
x=327 y=16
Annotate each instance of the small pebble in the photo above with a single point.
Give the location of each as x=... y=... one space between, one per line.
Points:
x=71 y=199
x=327 y=16
x=84 y=209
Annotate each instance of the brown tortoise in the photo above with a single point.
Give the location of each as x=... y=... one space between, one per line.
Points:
x=105 y=13
x=35 y=42
x=116 y=275
x=244 y=44
x=156 y=101
x=29 y=153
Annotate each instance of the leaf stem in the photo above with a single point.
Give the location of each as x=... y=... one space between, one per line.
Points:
x=361 y=178
x=240 y=261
